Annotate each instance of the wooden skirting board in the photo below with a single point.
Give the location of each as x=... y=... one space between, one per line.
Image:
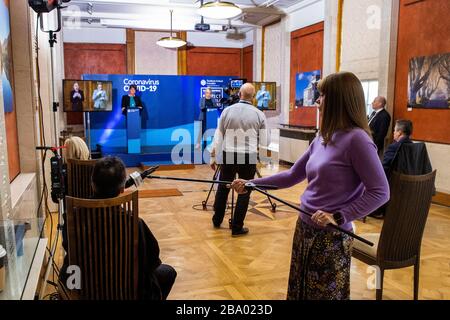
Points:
x=442 y=199
x=159 y=193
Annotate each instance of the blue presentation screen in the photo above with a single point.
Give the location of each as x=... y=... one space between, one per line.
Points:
x=170 y=103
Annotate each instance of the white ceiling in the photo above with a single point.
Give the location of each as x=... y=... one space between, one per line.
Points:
x=154 y=14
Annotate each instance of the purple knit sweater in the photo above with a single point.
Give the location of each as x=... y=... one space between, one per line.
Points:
x=345 y=176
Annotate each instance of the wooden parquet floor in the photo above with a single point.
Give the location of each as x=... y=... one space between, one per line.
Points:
x=213 y=265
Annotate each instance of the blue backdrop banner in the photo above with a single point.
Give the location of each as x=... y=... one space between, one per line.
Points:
x=170 y=103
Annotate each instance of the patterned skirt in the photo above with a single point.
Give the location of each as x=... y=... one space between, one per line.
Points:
x=320 y=264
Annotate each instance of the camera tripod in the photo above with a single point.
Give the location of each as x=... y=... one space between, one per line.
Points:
x=273 y=205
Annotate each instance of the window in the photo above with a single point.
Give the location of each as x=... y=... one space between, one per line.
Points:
x=370 y=92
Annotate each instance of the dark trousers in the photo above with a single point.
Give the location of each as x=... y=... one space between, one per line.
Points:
x=166 y=276
x=228 y=173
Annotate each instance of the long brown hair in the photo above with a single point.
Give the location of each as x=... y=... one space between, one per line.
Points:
x=344 y=105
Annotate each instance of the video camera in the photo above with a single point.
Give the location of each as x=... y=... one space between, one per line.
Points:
x=232 y=91
x=58 y=174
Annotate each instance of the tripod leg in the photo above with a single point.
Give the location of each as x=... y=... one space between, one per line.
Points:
x=232 y=209
x=272 y=204
x=258 y=174
x=205 y=202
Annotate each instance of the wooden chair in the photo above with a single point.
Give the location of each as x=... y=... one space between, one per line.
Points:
x=103 y=243
x=79 y=174
x=398 y=244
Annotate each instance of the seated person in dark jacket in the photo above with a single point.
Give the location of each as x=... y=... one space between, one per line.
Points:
x=402 y=132
x=155 y=279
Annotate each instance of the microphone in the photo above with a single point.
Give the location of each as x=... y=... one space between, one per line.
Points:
x=136 y=178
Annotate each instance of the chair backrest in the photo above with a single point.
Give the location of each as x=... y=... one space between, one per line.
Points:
x=103 y=243
x=79 y=173
x=412 y=159
x=406 y=216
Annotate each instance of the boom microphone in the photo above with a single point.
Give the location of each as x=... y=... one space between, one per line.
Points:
x=53 y=149
x=45 y=148
x=136 y=178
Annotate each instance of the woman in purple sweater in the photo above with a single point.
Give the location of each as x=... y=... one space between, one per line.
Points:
x=346 y=182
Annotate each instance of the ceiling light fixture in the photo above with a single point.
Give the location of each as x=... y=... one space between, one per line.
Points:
x=219 y=10
x=171 y=42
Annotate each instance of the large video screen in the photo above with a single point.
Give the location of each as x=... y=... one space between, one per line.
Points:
x=87 y=96
x=266 y=95
x=237 y=83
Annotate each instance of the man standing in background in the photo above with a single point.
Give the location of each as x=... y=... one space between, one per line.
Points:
x=242 y=127
x=379 y=121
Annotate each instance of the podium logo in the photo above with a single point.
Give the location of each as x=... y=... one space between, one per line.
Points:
x=196 y=146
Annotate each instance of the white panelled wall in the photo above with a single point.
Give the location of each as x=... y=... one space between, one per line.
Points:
x=150 y=58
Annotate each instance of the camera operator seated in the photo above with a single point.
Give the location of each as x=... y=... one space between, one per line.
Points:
x=155 y=279
x=74 y=148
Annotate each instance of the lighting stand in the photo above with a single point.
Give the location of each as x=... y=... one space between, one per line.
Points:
x=55 y=104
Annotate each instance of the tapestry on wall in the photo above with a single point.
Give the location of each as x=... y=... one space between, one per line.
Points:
x=429 y=82
x=6 y=56
x=306 y=92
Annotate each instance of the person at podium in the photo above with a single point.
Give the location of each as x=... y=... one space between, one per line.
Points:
x=131 y=101
x=206 y=102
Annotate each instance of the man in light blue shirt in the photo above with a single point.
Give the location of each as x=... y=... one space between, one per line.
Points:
x=263 y=97
x=100 y=97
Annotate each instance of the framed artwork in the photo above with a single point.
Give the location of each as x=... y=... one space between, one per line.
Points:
x=429 y=82
x=306 y=92
x=6 y=71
